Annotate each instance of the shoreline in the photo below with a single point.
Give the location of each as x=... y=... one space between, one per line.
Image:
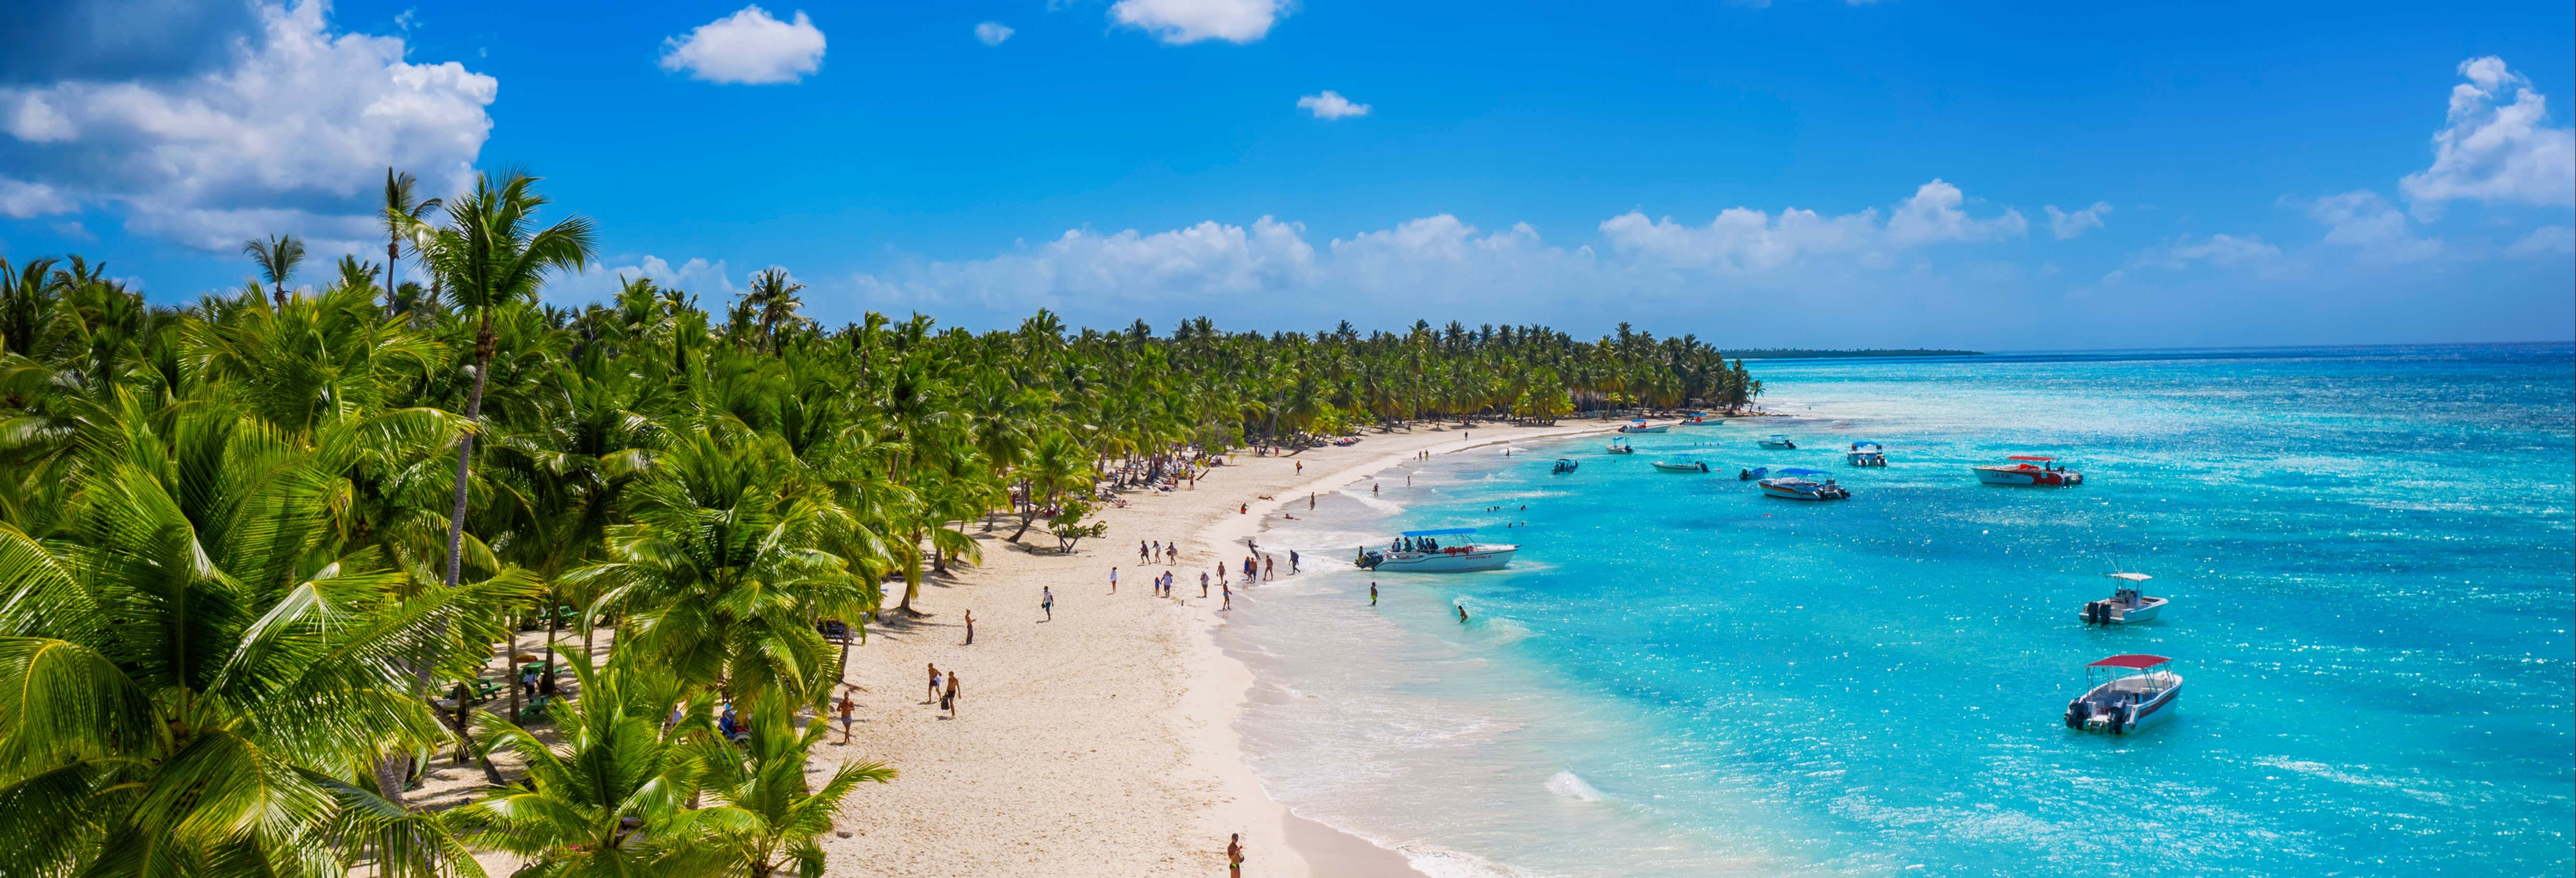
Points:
x=1101 y=742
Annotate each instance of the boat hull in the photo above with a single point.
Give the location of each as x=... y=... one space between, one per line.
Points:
x=1681 y=467
x=2032 y=477
x=1659 y=428
x=1809 y=491
x=2120 y=614
x=2100 y=719
x=1777 y=445
x=1473 y=559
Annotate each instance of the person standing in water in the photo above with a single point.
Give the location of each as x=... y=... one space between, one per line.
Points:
x=1292 y=562
x=1372 y=594
x=1462 y=616
x=1229 y=596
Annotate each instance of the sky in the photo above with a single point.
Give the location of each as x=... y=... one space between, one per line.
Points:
x=1786 y=173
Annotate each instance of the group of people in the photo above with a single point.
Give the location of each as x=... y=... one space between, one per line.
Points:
x=1157 y=551
x=943 y=689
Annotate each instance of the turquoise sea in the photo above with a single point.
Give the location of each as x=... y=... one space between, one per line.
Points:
x=2370 y=553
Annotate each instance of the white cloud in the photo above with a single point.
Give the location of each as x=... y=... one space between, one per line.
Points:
x=602 y=281
x=2545 y=241
x=992 y=33
x=288 y=135
x=2068 y=225
x=2221 y=249
x=2495 y=153
x=1743 y=239
x=747 y=48
x=20 y=199
x=1180 y=22
x=2361 y=219
x=1331 y=105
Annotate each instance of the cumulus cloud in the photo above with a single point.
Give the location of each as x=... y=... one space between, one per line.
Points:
x=1180 y=22
x=747 y=48
x=992 y=33
x=2544 y=241
x=2220 y=249
x=602 y=280
x=289 y=134
x=2361 y=219
x=1331 y=105
x=2068 y=225
x=2495 y=152
x=1743 y=239
x=20 y=199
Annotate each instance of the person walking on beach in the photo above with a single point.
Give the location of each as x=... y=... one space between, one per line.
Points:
x=1046 y=601
x=1372 y=593
x=1202 y=583
x=1113 y=580
x=934 y=686
x=970 y=628
x=1301 y=467
x=1234 y=856
x=1292 y=562
x=1141 y=557
x=846 y=705
x=948 y=699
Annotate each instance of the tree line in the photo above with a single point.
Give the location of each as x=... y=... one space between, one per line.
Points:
x=263 y=553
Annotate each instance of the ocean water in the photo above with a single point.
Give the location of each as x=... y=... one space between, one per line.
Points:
x=2370 y=554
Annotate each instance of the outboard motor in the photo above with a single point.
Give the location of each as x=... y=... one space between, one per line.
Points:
x=2124 y=719
x=2075 y=714
x=1370 y=560
x=2093 y=613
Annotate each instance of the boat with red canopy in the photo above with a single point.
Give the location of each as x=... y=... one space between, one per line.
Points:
x=2028 y=470
x=2125 y=693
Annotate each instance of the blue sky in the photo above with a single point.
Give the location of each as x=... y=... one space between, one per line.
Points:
x=1798 y=173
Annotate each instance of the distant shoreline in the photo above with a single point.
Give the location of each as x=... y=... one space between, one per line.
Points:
x=1857 y=354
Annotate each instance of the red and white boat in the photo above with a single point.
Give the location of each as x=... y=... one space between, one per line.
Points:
x=2028 y=470
x=2123 y=693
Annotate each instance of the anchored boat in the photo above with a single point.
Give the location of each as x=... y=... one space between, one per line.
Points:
x=2132 y=691
x=1792 y=484
x=1639 y=426
x=2028 y=470
x=1565 y=465
x=1422 y=551
x=1701 y=419
x=1866 y=454
x=1619 y=445
x=2126 y=604
x=1690 y=467
x=1777 y=441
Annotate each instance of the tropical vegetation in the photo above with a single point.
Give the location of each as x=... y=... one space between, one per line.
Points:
x=263 y=553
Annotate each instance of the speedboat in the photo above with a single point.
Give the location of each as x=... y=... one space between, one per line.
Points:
x=1421 y=551
x=1747 y=475
x=1565 y=465
x=1777 y=440
x=1689 y=467
x=2126 y=604
x=1639 y=426
x=1701 y=419
x=2027 y=470
x=2133 y=690
x=1619 y=445
x=1866 y=454
x=1792 y=484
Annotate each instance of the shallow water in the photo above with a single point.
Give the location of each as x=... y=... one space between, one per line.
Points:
x=2370 y=553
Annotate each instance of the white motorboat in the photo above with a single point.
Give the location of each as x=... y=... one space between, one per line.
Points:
x=2028 y=470
x=1792 y=484
x=1700 y=419
x=1639 y=426
x=1685 y=467
x=2126 y=604
x=1777 y=441
x=1421 y=551
x=2125 y=693
x=1619 y=445
x=1866 y=454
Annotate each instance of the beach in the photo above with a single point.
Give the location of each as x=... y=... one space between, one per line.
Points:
x=1100 y=742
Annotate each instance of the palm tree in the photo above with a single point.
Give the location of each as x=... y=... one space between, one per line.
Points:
x=608 y=800
x=491 y=255
x=402 y=219
x=767 y=818
x=773 y=297
x=276 y=258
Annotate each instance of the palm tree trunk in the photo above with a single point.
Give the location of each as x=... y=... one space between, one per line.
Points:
x=465 y=446
x=393 y=257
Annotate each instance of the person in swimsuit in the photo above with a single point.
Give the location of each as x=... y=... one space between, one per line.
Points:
x=970 y=628
x=1113 y=580
x=1046 y=601
x=1202 y=583
x=846 y=706
x=948 y=699
x=1462 y=614
x=1229 y=596
x=1234 y=856
x=1372 y=594
x=934 y=686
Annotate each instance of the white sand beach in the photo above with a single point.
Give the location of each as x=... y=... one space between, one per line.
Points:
x=1100 y=743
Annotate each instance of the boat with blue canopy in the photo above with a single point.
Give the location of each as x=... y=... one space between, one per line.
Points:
x=1866 y=453
x=1424 y=551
